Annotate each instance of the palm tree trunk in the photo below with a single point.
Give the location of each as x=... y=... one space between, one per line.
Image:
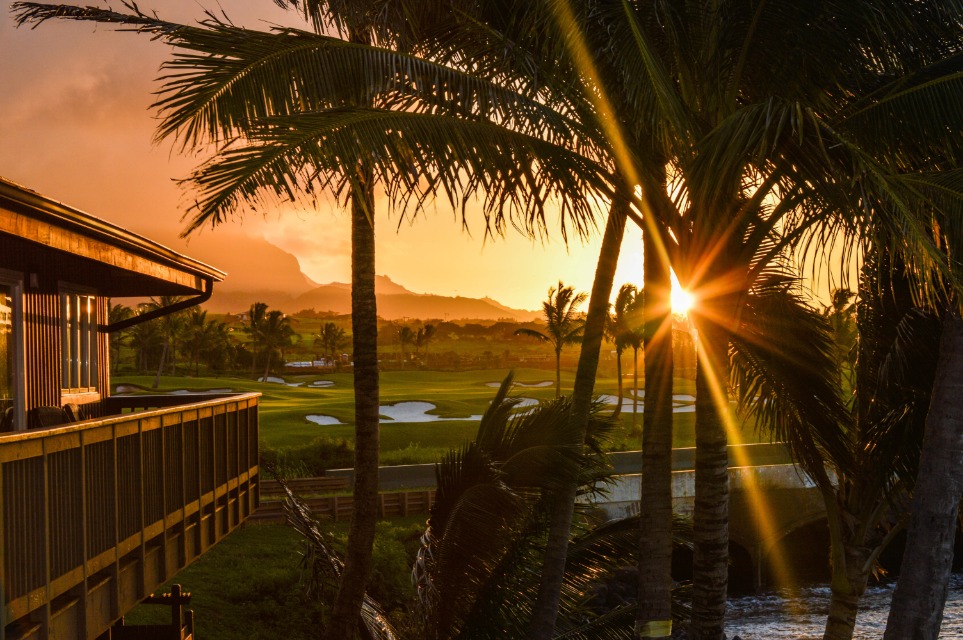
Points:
x=711 y=516
x=917 y=608
x=618 y=370
x=345 y=615
x=846 y=589
x=635 y=386
x=160 y=366
x=545 y=609
x=654 y=614
x=558 y=372
x=267 y=364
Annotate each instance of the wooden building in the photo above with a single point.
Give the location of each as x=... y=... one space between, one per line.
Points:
x=102 y=498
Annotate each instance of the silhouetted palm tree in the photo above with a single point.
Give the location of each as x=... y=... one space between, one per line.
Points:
x=425 y=334
x=405 y=337
x=332 y=339
x=617 y=328
x=255 y=318
x=275 y=332
x=563 y=324
x=118 y=339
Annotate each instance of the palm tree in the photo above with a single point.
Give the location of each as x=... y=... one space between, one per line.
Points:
x=147 y=341
x=425 y=334
x=730 y=105
x=473 y=572
x=633 y=338
x=197 y=332
x=300 y=135
x=274 y=332
x=332 y=339
x=920 y=595
x=712 y=83
x=563 y=324
x=118 y=339
x=617 y=330
x=170 y=327
x=405 y=337
x=255 y=318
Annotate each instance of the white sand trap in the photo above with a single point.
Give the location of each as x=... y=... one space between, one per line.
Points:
x=544 y=383
x=294 y=384
x=681 y=397
x=414 y=412
x=323 y=420
x=271 y=379
x=628 y=404
x=525 y=403
x=179 y=392
x=321 y=383
x=689 y=408
x=225 y=390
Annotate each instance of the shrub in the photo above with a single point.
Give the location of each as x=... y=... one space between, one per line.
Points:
x=309 y=460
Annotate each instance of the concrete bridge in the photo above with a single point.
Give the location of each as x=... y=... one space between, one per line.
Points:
x=773 y=508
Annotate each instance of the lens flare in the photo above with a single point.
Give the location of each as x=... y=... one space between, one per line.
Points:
x=681 y=300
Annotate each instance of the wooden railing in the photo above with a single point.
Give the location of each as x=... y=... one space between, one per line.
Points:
x=95 y=515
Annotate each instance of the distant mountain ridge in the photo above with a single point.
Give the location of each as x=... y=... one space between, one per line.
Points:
x=395 y=302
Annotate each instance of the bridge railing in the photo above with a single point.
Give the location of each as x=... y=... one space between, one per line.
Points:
x=95 y=515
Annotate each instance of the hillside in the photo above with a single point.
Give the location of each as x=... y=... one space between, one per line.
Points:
x=394 y=303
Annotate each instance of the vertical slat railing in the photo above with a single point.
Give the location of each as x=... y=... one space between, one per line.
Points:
x=79 y=502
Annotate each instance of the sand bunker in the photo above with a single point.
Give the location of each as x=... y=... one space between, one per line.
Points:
x=321 y=383
x=323 y=420
x=414 y=412
x=271 y=379
x=680 y=403
x=544 y=383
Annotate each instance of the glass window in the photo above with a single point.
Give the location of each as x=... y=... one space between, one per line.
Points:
x=9 y=336
x=79 y=339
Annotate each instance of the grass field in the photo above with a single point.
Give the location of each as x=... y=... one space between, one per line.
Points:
x=248 y=586
x=284 y=409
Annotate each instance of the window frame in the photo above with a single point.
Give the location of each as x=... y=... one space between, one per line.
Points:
x=84 y=365
x=14 y=280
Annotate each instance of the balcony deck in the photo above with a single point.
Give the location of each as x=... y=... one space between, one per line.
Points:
x=95 y=515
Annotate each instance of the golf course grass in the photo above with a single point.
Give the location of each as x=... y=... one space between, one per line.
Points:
x=456 y=396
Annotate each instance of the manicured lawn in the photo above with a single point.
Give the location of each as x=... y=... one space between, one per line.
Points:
x=248 y=586
x=284 y=409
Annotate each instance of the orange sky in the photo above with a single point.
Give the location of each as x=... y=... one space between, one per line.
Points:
x=76 y=127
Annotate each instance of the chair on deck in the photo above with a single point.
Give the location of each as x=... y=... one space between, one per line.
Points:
x=46 y=417
x=74 y=412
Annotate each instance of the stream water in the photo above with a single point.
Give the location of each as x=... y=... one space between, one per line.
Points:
x=800 y=614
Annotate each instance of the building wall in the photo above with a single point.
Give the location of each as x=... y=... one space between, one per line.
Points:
x=43 y=272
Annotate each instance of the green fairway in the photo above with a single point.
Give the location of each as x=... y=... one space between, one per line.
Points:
x=284 y=408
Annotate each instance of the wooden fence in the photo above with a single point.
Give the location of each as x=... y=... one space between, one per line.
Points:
x=95 y=515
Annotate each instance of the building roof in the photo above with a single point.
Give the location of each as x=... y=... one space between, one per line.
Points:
x=121 y=262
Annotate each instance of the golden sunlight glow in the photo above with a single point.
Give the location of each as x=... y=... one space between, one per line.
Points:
x=758 y=500
x=680 y=299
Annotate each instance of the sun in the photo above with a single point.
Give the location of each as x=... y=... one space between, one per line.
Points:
x=682 y=301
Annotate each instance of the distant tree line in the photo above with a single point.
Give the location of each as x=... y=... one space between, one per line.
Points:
x=189 y=342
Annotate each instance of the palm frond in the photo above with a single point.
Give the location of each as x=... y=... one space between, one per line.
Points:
x=785 y=374
x=324 y=566
x=519 y=176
